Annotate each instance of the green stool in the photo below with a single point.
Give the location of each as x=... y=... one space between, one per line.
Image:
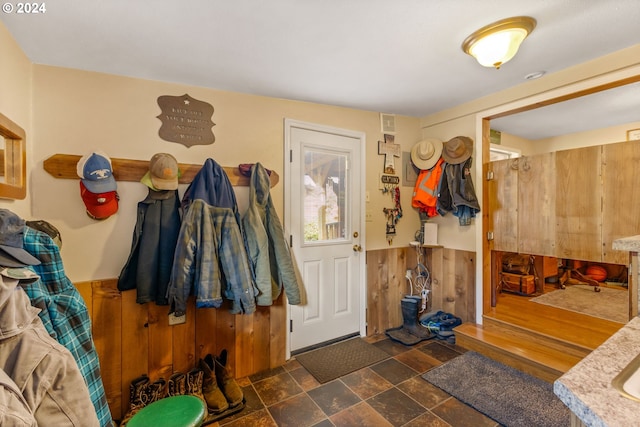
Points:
x=174 y=411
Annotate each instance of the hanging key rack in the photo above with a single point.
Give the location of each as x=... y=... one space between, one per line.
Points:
x=64 y=166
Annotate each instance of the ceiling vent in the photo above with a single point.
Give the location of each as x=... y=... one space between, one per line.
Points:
x=387 y=123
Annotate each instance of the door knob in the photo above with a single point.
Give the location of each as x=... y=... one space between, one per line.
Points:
x=357 y=248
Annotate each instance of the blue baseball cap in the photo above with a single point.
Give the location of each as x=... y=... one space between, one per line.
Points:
x=12 y=253
x=94 y=169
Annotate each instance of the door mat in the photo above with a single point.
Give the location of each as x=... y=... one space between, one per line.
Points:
x=502 y=393
x=335 y=360
x=610 y=304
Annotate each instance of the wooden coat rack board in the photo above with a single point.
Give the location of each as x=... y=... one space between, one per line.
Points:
x=64 y=166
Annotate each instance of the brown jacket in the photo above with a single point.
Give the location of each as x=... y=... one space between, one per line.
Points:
x=44 y=371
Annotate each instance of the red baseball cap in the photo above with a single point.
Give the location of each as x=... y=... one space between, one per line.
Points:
x=99 y=205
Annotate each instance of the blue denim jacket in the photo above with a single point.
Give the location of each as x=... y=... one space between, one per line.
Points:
x=210 y=259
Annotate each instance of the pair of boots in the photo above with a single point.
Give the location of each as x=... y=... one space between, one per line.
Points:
x=410 y=307
x=142 y=393
x=220 y=391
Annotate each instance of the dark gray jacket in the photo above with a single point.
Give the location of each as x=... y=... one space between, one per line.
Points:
x=148 y=268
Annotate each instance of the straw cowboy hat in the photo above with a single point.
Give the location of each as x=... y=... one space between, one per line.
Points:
x=425 y=154
x=457 y=150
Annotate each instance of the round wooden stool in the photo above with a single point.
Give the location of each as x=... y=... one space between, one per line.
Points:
x=174 y=411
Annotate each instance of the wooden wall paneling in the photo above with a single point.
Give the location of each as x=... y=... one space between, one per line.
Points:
x=160 y=342
x=397 y=287
x=277 y=321
x=503 y=201
x=184 y=341
x=449 y=283
x=536 y=204
x=579 y=204
x=245 y=343
x=376 y=292
x=135 y=344
x=206 y=337
x=224 y=336
x=107 y=329
x=620 y=197
x=436 y=268
x=459 y=284
x=398 y=279
x=385 y=268
x=86 y=292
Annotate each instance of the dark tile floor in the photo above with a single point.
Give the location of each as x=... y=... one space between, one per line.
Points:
x=389 y=393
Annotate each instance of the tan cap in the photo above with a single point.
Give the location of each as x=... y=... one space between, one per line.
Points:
x=163 y=168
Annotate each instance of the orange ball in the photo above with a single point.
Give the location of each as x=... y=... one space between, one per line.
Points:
x=597 y=273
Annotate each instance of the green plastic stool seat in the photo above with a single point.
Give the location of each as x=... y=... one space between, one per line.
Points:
x=174 y=411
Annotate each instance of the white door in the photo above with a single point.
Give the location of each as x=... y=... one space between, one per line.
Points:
x=324 y=197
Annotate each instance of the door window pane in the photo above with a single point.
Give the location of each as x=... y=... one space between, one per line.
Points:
x=325 y=195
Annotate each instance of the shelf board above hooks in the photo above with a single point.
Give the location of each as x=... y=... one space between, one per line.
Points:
x=64 y=166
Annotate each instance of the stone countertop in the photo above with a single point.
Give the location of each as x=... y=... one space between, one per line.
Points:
x=631 y=244
x=586 y=388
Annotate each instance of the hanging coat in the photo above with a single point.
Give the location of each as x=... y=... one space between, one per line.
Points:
x=43 y=369
x=457 y=194
x=268 y=250
x=211 y=260
x=148 y=268
x=425 y=193
x=64 y=314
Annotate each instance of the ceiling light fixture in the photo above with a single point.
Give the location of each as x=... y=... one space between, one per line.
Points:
x=497 y=43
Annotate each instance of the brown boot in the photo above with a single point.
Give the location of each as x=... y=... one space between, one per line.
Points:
x=138 y=397
x=216 y=402
x=227 y=383
x=157 y=390
x=177 y=384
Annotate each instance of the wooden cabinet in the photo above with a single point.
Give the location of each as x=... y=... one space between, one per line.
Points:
x=579 y=204
x=537 y=205
x=620 y=197
x=522 y=192
x=503 y=199
x=571 y=204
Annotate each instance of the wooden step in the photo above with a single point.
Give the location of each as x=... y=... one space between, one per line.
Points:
x=548 y=339
x=526 y=351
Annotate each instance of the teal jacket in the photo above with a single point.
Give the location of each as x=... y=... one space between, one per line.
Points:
x=268 y=250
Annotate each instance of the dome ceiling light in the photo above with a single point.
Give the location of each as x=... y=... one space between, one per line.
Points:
x=497 y=43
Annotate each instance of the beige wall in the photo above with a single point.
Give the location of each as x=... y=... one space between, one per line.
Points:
x=15 y=101
x=75 y=112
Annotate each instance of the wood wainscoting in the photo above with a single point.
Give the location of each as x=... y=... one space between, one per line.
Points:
x=133 y=339
x=452 y=281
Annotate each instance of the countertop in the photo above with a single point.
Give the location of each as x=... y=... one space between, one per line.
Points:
x=631 y=244
x=586 y=388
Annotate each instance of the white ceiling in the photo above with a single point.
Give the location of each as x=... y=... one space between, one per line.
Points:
x=399 y=57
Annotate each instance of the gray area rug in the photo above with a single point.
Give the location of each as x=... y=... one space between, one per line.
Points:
x=609 y=303
x=335 y=360
x=504 y=394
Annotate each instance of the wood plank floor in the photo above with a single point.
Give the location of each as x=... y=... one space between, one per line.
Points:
x=571 y=327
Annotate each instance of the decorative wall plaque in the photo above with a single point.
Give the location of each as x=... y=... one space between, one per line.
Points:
x=186 y=120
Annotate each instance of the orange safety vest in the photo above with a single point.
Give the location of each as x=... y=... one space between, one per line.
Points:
x=425 y=193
